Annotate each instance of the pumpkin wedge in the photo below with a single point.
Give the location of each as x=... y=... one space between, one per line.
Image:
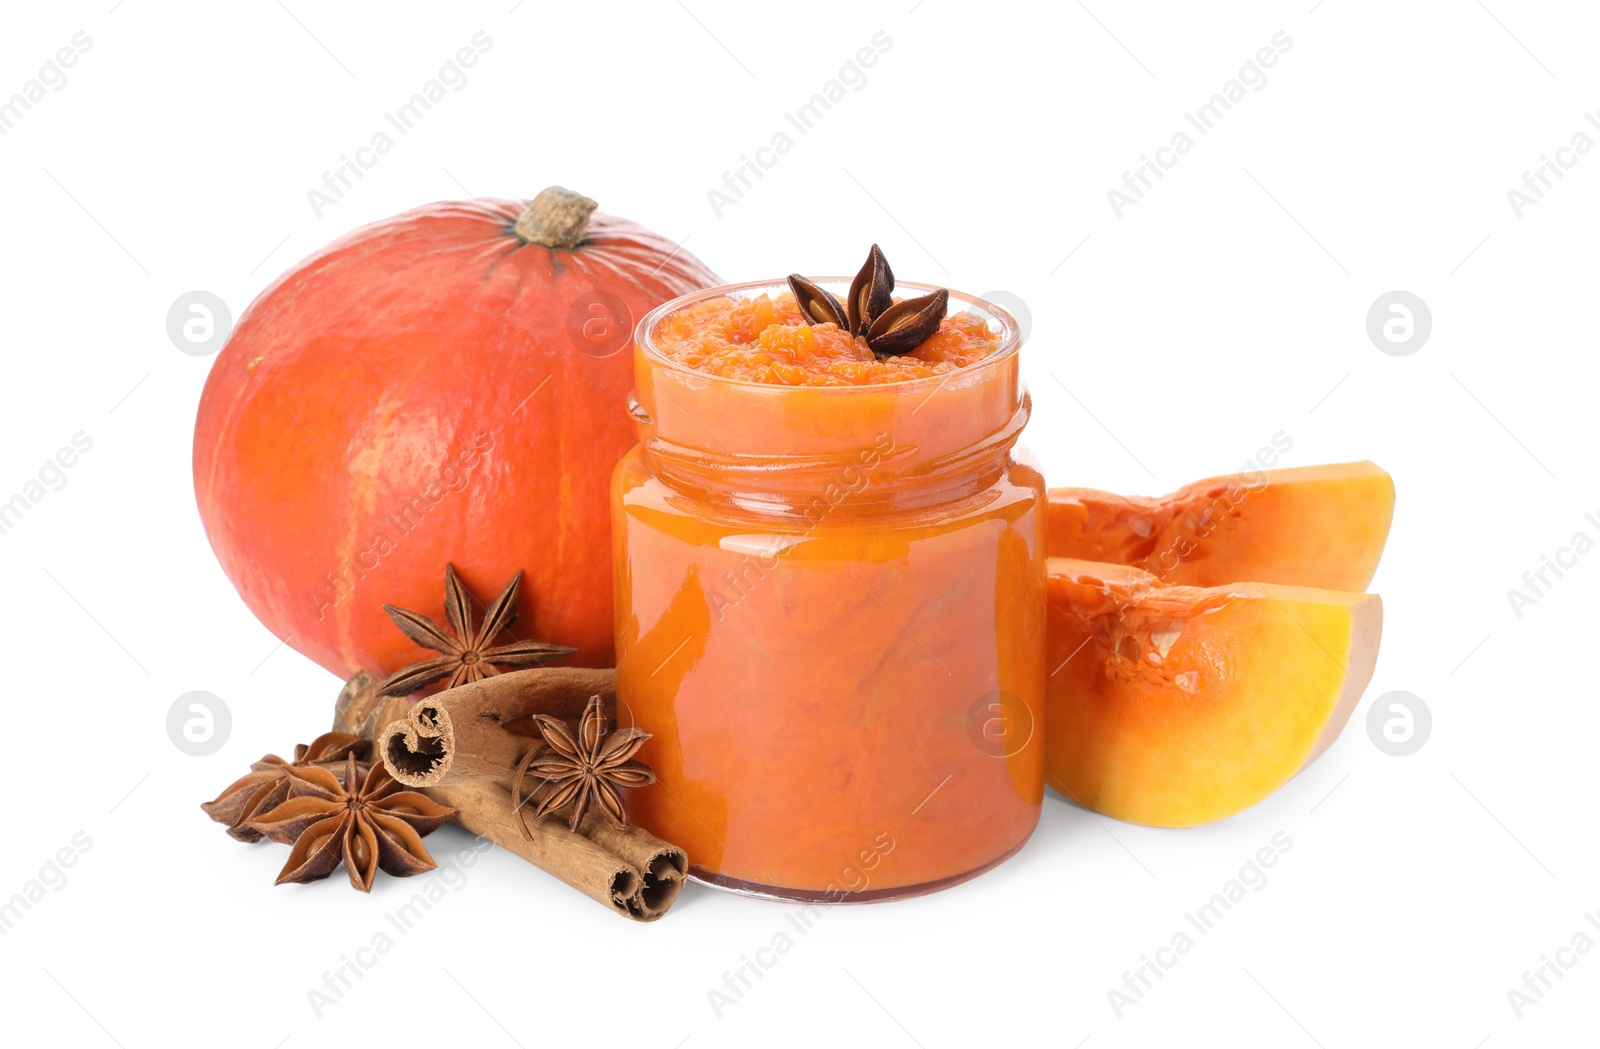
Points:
x=1321 y=526
x=1174 y=706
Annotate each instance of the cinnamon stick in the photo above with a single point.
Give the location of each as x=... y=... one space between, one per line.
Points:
x=486 y=809
x=461 y=735
x=628 y=869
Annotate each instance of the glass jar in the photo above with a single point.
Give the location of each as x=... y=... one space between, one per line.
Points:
x=831 y=616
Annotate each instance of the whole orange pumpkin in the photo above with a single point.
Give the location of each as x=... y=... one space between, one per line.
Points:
x=446 y=385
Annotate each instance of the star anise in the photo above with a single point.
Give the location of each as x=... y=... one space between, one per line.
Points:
x=468 y=656
x=817 y=303
x=365 y=821
x=588 y=768
x=890 y=328
x=871 y=292
x=266 y=785
x=907 y=324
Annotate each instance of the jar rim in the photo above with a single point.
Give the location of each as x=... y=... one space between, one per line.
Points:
x=1010 y=335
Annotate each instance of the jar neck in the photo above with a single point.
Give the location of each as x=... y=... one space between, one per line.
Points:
x=807 y=450
x=883 y=474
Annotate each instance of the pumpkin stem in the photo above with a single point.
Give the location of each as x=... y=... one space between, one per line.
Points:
x=556 y=218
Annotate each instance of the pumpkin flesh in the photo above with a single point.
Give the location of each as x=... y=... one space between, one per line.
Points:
x=1174 y=706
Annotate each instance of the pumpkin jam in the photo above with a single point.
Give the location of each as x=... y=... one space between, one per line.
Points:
x=830 y=600
x=765 y=339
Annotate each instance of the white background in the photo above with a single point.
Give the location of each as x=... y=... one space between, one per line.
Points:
x=1167 y=345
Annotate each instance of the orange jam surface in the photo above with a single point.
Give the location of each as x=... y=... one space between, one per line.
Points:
x=766 y=340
